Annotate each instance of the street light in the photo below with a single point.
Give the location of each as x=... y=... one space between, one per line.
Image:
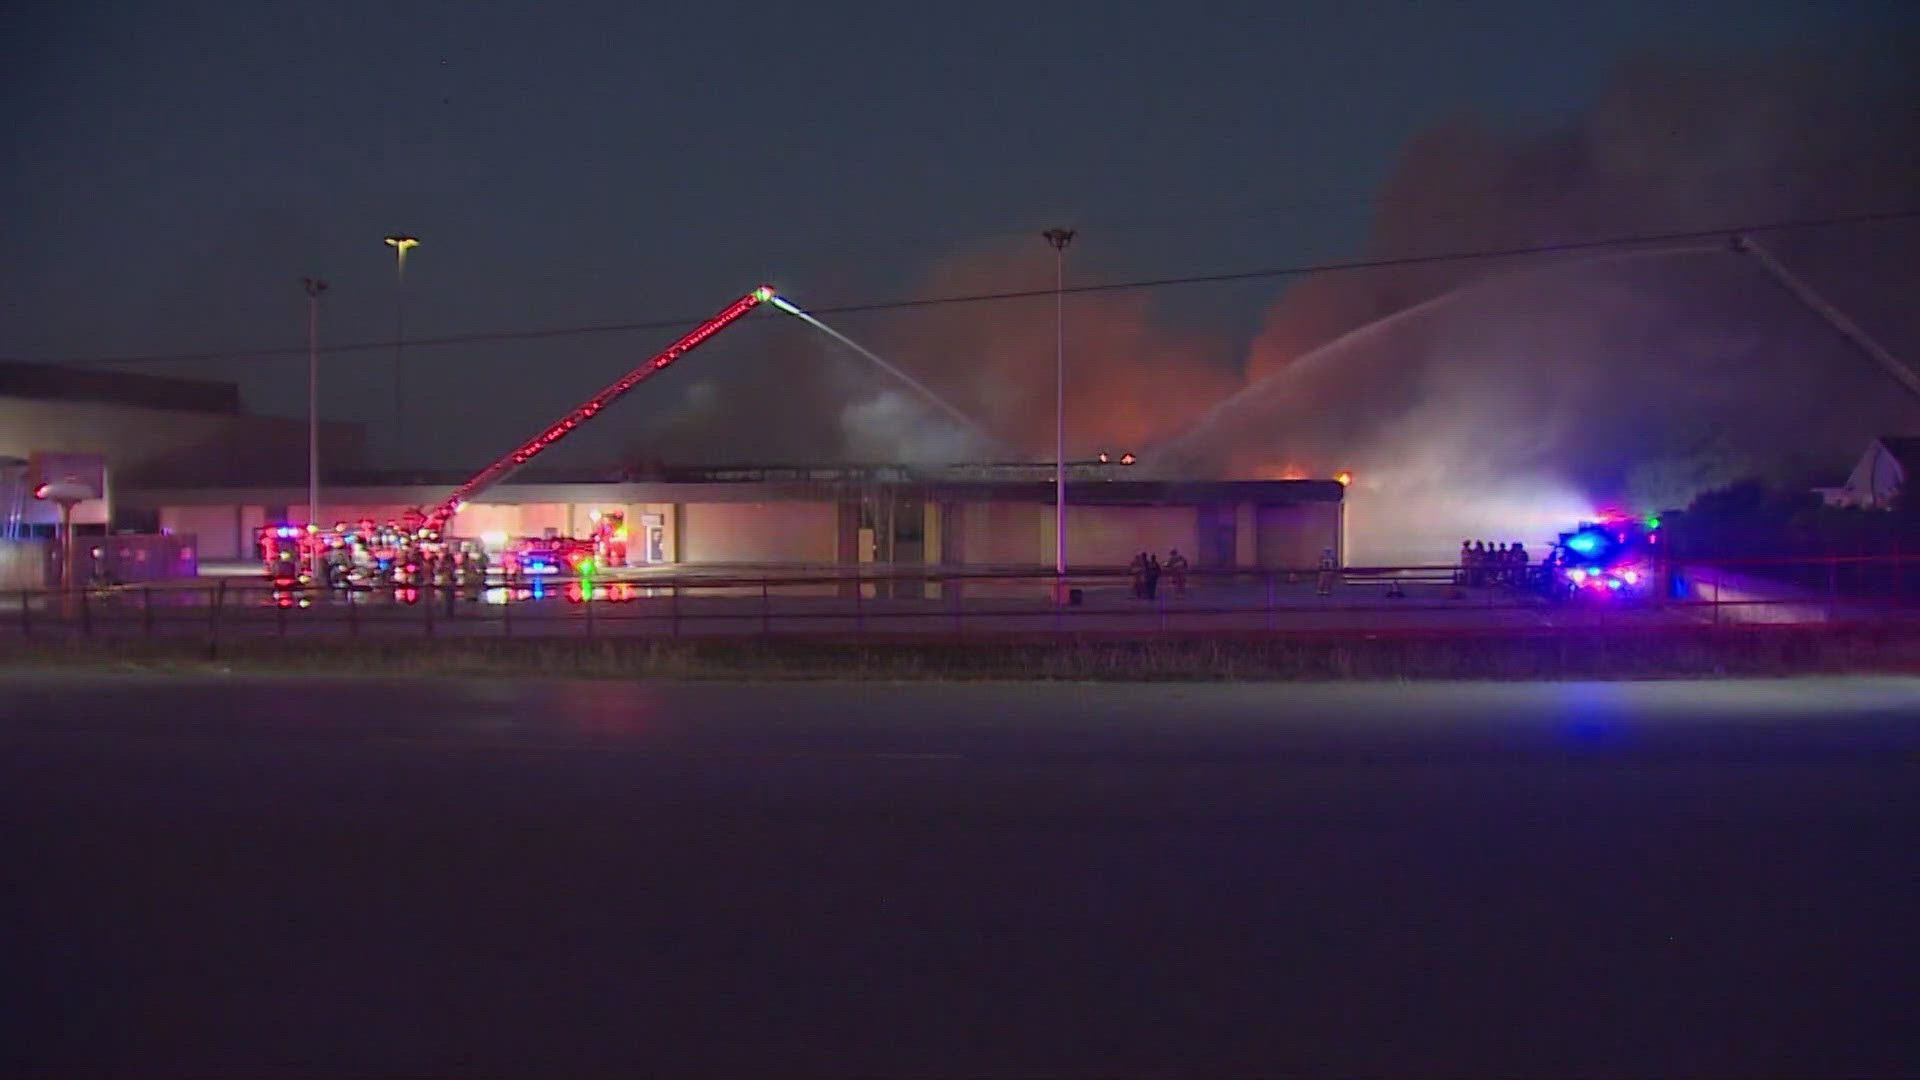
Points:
x=401 y=243
x=314 y=287
x=1059 y=239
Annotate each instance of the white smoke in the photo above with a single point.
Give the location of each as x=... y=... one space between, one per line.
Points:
x=892 y=427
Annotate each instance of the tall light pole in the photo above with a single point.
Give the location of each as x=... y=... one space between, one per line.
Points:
x=315 y=287
x=401 y=243
x=1059 y=239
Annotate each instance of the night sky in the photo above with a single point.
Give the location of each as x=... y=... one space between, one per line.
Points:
x=176 y=168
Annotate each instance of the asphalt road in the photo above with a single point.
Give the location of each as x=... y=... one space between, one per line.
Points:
x=249 y=877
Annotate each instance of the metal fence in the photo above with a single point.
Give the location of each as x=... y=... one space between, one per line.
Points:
x=860 y=602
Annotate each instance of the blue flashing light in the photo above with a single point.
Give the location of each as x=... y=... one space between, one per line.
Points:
x=1585 y=542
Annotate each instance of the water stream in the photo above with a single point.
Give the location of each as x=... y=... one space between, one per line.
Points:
x=1306 y=363
x=919 y=387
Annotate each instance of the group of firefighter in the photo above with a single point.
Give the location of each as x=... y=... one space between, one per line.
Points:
x=1147 y=569
x=1482 y=563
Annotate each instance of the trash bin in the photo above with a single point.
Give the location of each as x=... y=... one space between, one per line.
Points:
x=1073 y=597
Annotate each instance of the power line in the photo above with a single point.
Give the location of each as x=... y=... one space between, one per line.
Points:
x=1384 y=263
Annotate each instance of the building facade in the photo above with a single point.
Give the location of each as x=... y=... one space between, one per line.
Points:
x=1270 y=524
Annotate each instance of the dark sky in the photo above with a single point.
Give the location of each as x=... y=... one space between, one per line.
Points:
x=176 y=168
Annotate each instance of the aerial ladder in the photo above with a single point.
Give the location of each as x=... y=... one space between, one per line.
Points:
x=586 y=410
x=1835 y=318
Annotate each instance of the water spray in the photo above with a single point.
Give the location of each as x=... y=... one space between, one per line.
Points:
x=1252 y=394
x=922 y=389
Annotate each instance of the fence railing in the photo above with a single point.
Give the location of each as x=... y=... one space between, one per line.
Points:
x=858 y=601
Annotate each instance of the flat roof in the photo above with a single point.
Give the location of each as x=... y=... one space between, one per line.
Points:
x=58 y=382
x=1079 y=493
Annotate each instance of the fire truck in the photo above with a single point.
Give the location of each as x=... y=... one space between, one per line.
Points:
x=286 y=553
x=1612 y=559
x=608 y=544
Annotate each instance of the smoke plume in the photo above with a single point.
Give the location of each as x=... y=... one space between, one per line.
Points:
x=1472 y=399
x=1496 y=401
x=1129 y=381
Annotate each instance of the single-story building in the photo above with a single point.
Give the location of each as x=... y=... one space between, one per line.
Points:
x=838 y=520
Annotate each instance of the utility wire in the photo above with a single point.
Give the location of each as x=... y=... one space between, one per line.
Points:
x=1385 y=263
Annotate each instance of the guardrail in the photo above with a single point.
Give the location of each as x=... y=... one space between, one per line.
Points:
x=855 y=601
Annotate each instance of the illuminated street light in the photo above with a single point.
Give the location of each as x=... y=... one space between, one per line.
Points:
x=401 y=243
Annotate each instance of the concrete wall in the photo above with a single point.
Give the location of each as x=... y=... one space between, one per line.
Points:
x=1110 y=536
x=332 y=514
x=786 y=532
x=216 y=529
x=1008 y=534
x=1021 y=534
x=1246 y=535
x=971 y=534
x=1292 y=537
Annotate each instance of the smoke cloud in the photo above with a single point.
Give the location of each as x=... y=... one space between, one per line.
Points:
x=1499 y=402
x=891 y=426
x=1129 y=381
x=1482 y=400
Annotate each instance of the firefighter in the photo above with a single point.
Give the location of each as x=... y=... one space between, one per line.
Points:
x=1462 y=576
x=1139 y=572
x=1328 y=564
x=1177 y=572
x=1478 y=574
x=1519 y=564
x=445 y=578
x=477 y=570
x=1153 y=576
x=339 y=562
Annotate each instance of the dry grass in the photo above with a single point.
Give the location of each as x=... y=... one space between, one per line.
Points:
x=1562 y=655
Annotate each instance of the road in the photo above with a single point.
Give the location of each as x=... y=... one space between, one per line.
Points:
x=238 y=877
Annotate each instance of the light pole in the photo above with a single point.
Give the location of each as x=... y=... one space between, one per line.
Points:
x=315 y=287
x=401 y=243
x=1059 y=239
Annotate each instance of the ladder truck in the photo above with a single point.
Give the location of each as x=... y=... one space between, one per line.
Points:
x=437 y=518
x=279 y=543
